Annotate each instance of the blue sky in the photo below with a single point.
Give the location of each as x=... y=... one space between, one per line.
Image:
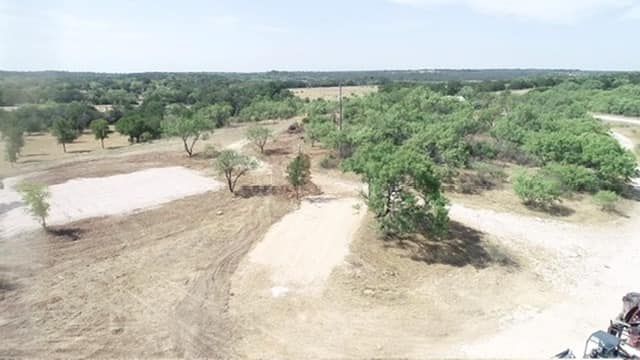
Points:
x=242 y=35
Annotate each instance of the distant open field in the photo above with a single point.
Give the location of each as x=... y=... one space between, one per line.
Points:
x=44 y=147
x=331 y=93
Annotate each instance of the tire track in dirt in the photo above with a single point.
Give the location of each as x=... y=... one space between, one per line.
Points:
x=211 y=329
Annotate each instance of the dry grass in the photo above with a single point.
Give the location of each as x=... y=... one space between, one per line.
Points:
x=42 y=151
x=579 y=209
x=44 y=147
x=331 y=93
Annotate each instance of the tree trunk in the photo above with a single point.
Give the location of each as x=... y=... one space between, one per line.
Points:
x=102 y=143
x=64 y=147
x=229 y=183
x=44 y=223
x=186 y=147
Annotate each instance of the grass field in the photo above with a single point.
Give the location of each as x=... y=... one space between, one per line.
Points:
x=44 y=147
x=331 y=93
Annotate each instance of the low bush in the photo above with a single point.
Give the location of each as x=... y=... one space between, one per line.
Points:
x=607 y=200
x=210 y=152
x=537 y=190
x=573 y=177
x=329 y=162
x=486 y=177
x=146 y=137
x=511 y=152
x=483 y=150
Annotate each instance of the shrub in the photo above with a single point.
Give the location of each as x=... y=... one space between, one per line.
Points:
x=36 y=196
x=573 y=177
x=511 y=152
x=210 y=151
x=607 y=200
x=483 y=150
x=486 y=177
x=146 y=136
x=536 y=190
x=298 y=172
x=329 y=162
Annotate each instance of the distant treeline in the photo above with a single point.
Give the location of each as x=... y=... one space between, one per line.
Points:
x=125 y=89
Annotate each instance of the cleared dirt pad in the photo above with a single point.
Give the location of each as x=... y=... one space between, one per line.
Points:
x=302 y=249
x=93 y=197
x=150 y=284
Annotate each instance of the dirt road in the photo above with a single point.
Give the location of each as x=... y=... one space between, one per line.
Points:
x=532 y=287
x=213 y=275
x=617 y=118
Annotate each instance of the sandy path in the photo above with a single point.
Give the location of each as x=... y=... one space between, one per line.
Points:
x=617 y=118
x=93 y=197
x=303 y=248
x=596 y=267
x=593 y=268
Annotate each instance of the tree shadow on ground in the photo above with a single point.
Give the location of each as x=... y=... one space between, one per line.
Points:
x=277 y=151
x=554 y=210
x=462 y=246
x=5 y=208
x=631 y=192
x=321 y=199
x=114 y=147
x=67 y=233
x=6 y=284
x=30 y=161
x=248 y=191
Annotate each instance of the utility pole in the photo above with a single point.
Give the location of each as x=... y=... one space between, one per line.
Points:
x=340 y=100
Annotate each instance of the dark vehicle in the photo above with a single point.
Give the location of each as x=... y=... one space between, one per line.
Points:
x=622 y=338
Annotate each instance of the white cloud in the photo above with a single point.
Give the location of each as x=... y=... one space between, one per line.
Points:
x=553 y=11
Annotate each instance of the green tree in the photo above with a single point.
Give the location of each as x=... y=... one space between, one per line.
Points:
x=187 y=126
x=403 y=189
x=36 y=196
x=607 y=200
x=217 y=114
x=13 y=137
x=299 y=172
x=100 y=130
x=537 y=190
x=233 y=165
x=317 y=130
x=65 y=131
x=259 y=135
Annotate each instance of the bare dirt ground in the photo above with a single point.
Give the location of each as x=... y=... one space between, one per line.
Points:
x=503 y=285
x=101 y=196
x=213 y=275
x=151 y=283
x=332 y=92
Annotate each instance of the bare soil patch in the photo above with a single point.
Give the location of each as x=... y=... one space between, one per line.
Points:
x=83 y=198
x=151 y=284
